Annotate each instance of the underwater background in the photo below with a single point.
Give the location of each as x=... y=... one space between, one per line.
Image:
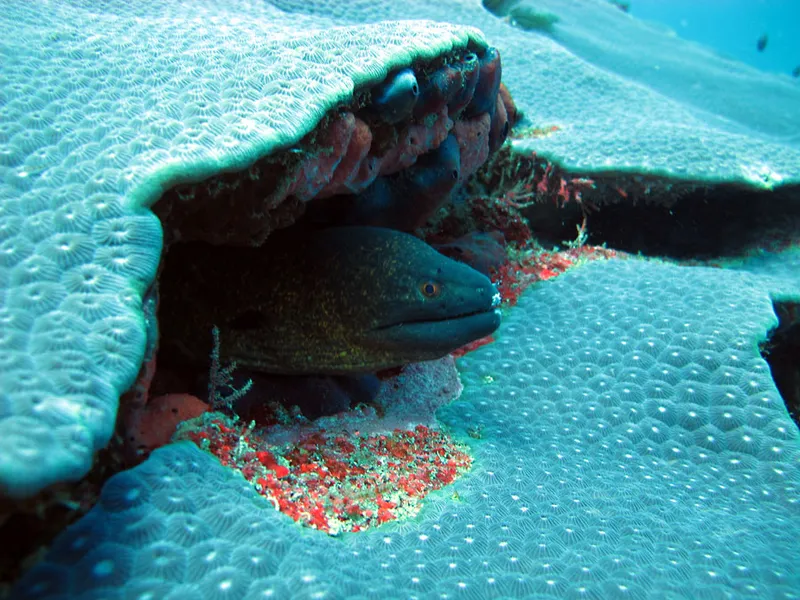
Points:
x=734 y=28
x=314 y=299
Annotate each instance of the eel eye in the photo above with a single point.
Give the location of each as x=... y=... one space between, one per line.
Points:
x=430 y=289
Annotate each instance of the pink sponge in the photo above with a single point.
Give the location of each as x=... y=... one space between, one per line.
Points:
x=152 y=425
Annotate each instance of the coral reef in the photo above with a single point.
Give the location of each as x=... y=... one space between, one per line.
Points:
x=82 y=162
x=624 y=433
x=168 y=105
x=618 y=435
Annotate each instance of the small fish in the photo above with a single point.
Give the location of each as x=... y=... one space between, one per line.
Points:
x=762 y=43
x=796 y=71
x=623 y=5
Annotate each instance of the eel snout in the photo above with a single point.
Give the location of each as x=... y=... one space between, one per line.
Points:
x=457 y=305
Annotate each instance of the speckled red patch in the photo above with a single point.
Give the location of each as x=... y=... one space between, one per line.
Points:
x=336 y=483
x=531 y=266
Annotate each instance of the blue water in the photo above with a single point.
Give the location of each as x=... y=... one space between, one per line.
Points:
x=732 y=27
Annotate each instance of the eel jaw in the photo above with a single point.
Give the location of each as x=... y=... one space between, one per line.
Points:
x=428 y=335
x=427 y=339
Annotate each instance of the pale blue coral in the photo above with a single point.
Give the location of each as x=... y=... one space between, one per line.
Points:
x=632 y=446
x=100 y=112
x=633 y=439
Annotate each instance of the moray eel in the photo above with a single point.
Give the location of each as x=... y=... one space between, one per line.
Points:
x=342 y=300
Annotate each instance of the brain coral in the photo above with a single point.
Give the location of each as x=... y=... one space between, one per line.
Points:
x=633 y=446
x=100 y=112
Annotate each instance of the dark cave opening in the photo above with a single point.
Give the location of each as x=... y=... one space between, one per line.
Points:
x=722 y=221
x=782 y=353
x=717 y=222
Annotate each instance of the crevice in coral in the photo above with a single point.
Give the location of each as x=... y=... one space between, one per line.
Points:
x=638 y=214
x=33 y=523
x=390 y=158
x=357 y=146
x=782 y=353
x=708 y=223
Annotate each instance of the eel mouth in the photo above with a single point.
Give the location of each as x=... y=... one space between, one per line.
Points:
x=435 y=335
x=433 y=338
x=463 y=318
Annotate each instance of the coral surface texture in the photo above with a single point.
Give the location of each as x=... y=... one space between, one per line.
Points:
x=632 y=446
x=620 y=435
x=100 y=113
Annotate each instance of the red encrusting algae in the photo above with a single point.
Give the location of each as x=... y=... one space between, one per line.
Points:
x=459 y=352
x=527 y=267
x=336 y=482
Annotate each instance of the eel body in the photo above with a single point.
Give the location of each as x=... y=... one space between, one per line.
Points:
x=342 y=300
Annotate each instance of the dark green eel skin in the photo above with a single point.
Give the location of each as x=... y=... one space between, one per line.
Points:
x=335 y=301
